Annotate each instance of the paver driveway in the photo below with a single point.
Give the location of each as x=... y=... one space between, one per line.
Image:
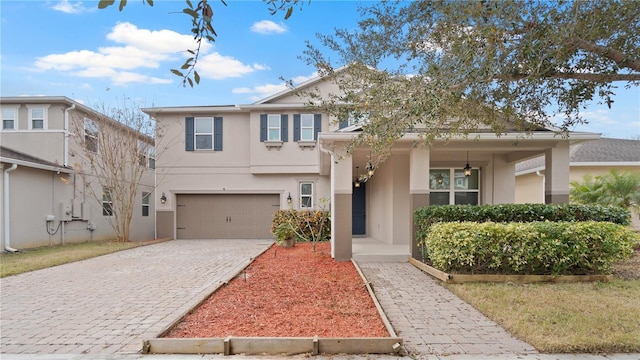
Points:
x=112 y=303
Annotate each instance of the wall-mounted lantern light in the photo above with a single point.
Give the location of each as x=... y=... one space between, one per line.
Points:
x=289 y=200
x=357 y=182
x=163 y=198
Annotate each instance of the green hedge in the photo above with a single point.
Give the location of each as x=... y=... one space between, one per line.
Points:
x=540 y=248
x=306 y=225
x=506 y=213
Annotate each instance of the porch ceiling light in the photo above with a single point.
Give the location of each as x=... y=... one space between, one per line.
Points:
x=467 y=168
x=356 y=183
x=370 y=169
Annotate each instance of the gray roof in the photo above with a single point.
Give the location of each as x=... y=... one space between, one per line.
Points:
x=603 y=151
x=13 y=156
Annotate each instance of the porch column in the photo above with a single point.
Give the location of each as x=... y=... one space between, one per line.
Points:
x=418 y=190
x=341 y=216
x=556 y=189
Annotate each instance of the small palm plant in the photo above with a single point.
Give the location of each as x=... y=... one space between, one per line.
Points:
x=616 y=188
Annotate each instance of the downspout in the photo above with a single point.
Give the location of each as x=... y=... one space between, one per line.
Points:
x=5 y=210
x=543 y=185
x=66 y=134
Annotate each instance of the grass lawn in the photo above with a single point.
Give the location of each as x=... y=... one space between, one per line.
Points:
x=566 y=318
x=44 y=257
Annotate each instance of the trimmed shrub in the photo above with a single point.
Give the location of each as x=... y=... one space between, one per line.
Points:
x=504 y=213
x=539 y=248
x=307 y=225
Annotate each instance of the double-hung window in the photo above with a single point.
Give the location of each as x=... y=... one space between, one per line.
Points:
x=107 y=202
x=145 y=203
x=37 y=118
x=452 y=187
x=306 y=195
x=91 y=133
x=274 y=128
x=9 y=118
x=203 y=133
x=306 y=127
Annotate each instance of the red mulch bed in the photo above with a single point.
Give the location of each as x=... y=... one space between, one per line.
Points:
x=288 y=292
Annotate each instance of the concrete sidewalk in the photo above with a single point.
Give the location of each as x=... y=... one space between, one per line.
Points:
x=109 y=304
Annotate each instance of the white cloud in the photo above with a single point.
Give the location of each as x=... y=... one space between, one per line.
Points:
x=263 y=91
x=68 y=7
x=217 y=66
x=268 y=27
x=141 y=48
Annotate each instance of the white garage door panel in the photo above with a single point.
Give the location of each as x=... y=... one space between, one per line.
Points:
x=241 y=216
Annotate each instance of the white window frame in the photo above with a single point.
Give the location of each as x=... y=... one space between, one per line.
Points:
x=305 y=196
x=147 y=154
x=107 y=201
x=151 y=160
x=45 y=113
x=93 y=136
x=196 y=133
x=452 y=189
x=277 y=118
x=14 y=118
x=146 y=202
x=311 y=128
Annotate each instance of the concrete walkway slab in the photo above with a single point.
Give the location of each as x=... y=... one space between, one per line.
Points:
x=431 y=319
x=109 y=304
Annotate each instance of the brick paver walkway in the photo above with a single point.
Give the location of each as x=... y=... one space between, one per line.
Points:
x=431 y=319
x=112 y=303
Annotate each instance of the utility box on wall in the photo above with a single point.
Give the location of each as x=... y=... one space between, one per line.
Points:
x=66 y=211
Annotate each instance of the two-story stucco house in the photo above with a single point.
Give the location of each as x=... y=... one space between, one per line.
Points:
x=44 y=198
x=224 y=169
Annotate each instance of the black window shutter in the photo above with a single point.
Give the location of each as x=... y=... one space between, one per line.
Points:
x=317 y=125
x=263 y=127
x=344 y=124
x=188 y=133
x=284 y=127
x=296 y=127
x=217 y=133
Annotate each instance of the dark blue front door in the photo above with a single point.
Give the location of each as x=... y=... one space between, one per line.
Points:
x=358 y=206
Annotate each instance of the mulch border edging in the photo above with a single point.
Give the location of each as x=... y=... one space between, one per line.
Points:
x=277 y=345
x=518 y=279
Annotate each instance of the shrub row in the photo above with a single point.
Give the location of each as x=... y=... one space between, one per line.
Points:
x=505 y=213
x=305 y=225
x=540 y=248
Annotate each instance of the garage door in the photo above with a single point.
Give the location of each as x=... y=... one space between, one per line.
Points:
x=245 y=216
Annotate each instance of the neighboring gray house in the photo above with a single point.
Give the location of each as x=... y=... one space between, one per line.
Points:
x=225 y=169
x=44 y=200
x=596 y=157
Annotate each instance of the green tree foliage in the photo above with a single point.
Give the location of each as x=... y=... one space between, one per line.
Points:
x=616 y=188
x=201 y=17
x=453 y=67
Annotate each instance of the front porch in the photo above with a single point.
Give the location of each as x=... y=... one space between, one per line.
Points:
x=366 y=249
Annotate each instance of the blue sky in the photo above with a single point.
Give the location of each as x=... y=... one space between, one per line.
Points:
x=70 y=48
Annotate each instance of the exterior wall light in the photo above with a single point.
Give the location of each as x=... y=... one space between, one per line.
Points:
x=163 y=199
x=289 y=200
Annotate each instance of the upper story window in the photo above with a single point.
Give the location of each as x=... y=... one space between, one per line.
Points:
x=146 y=154
x=274 y=127
x=91 y=133
x=452 y=187
x=9 y=118
x=37 y=117
x=355 y=118
x=306 y=127
x=306 y=195
x=203 y=133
